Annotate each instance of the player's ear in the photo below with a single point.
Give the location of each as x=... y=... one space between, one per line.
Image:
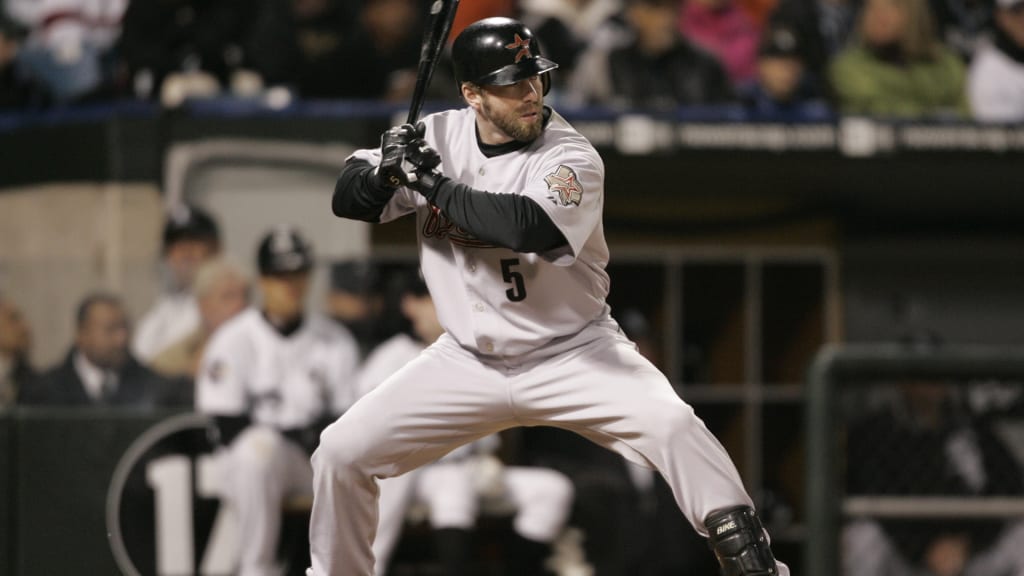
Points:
x=471 y=94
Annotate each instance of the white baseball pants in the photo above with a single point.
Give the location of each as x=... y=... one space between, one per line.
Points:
x=595 y=384
x=262 y=469
x=542 y=500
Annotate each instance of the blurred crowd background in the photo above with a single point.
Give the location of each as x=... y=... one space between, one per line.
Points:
x=898 y=58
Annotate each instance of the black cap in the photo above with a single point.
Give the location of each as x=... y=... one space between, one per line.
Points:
x=188 y=222
x=354 y=276
x=284 y=251
x=498 y=51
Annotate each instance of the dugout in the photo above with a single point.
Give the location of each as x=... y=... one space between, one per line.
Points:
x=750 y=242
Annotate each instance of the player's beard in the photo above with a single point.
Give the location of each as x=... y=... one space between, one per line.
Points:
x=511 y=124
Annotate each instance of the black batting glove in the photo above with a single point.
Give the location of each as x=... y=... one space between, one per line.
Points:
x=395 y=169
x=422 y=156
x=426 y=160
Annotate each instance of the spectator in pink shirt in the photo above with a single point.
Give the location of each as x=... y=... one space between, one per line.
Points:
x=723 y=28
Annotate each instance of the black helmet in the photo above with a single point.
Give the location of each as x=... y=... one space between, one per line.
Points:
x=498 y=51
x=284 y=251
x=187 y=222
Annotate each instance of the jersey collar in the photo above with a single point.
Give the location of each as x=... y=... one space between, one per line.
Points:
x=288 y=328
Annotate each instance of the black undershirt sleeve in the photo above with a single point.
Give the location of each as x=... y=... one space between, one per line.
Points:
x=508 y=220
x=357 y=196
x=229 y=427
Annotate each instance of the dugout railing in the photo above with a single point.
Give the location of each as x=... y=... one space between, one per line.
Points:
x=838 y=369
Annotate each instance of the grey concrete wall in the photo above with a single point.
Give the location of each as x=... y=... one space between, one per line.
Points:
x=60 y=241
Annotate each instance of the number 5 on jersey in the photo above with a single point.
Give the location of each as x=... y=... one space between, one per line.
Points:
x=517 y=293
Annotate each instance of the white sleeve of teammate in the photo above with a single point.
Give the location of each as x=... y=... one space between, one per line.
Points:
x=221 y=383
x=344 y=392
x=991 y=95
x=569 y=187
x=404 y=200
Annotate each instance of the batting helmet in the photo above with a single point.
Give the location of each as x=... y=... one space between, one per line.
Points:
x=499 y=52
x=284 y=251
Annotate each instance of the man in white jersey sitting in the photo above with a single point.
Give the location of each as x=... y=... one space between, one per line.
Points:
x=270 y=377
x=453 y=487
x=191 y=237
x=508 y=200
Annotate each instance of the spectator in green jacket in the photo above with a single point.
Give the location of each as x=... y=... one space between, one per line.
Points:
x=896 y=66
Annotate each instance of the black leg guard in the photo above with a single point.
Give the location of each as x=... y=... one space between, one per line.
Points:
x=740 y=542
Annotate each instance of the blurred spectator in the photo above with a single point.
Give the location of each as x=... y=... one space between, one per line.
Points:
x=272 y=379
x=963 y=24
x=15 y=344
x=724 y=29
x=564 y=27
x=222 y=291
x=996 y=77
x=647 y=64
x=13 y=90
x=823 y=29
x=784 y=83
x=927 y=444
x=759 y=11
x=338 y=49
x=99 y=369
x=175 y=49
x=454 y=486
x=190 y=238
x=355 y=301
x=896 y=67
x=69 y=51
x=478 y=10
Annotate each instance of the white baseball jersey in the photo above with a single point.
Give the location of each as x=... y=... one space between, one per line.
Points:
x=995 y=86
x=284 y=382
x=491 y=299
x=171 y=319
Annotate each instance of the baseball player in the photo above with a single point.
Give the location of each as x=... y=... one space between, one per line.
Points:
x=453 y=487
x=190 y=238
x=508 y=199
x=270 y=376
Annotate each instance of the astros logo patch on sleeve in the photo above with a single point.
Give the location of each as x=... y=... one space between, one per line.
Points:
x=564 y=187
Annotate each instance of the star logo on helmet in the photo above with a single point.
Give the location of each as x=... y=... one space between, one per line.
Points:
x=523 y=46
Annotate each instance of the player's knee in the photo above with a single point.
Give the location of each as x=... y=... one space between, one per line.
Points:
x=339 y=449
x=676 y=421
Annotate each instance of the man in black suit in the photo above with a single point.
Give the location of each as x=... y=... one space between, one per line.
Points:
x=99 y=370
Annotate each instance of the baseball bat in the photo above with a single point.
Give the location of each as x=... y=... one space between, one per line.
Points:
x=442 y=13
